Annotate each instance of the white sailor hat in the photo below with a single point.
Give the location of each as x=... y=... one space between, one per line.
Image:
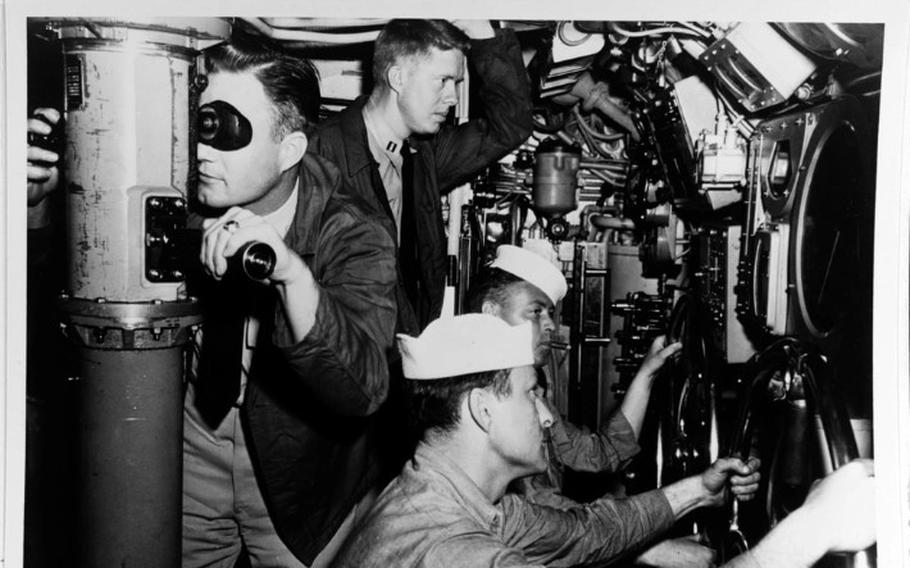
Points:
x=532 y=268
x=469 y=343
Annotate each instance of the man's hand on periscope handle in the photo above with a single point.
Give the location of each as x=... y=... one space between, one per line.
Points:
x=42 y=171
x=224 y=236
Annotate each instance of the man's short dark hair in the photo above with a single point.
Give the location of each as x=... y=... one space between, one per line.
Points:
x=434 y=404
x=491 y=284
x=291 y=83
x=406 y=38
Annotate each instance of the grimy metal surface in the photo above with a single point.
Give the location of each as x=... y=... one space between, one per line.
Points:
x=127 y=136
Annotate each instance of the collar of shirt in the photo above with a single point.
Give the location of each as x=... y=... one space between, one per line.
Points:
x=384 y=145
x=282 y=217
x=463 y=487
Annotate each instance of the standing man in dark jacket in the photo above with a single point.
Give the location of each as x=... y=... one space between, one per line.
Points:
x=417 y=65
x=277 y=440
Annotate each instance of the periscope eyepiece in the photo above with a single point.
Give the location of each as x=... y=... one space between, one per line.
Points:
x=223 y=127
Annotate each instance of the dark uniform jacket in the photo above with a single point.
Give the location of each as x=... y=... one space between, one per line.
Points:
x=441 y=162
x=307 y=404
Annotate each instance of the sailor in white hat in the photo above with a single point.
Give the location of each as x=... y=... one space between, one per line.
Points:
x=523 y=285
x=476 y=406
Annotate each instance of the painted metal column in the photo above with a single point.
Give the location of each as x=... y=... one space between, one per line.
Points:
x=128 y=164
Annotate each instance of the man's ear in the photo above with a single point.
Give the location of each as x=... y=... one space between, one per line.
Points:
x=396 y=77
x=479 y=407
x=292 y=149
x=491 y=308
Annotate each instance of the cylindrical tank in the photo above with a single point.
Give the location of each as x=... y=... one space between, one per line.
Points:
x=128 y=162
x=555 y=177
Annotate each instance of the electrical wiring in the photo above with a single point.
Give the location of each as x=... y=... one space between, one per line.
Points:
x=653 y=31
x=611 y=179
x=695 y=28
x=593 y=145
x=582 y=123
x=609 y=164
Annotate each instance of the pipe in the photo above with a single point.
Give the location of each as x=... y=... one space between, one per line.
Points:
x=324 y=23
x=597 y=95
x=607 y=222
x=309 y=36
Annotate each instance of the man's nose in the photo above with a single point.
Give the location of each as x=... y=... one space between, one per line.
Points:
x=546 y=323
x=450 y=93
x=543 y=413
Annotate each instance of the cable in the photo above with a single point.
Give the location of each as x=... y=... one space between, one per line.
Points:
x=862 y=79
x=653 y=31
x=593 y=144
x=613 y=180
x=561 y=33
x=695 y=28
x=582 y=123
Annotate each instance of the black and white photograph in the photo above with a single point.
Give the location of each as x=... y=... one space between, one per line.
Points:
x=351 y=286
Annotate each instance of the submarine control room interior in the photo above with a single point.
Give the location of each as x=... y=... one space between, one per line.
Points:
x=702 y=194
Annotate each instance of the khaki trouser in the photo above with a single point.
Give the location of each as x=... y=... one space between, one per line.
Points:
x=222 y=504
